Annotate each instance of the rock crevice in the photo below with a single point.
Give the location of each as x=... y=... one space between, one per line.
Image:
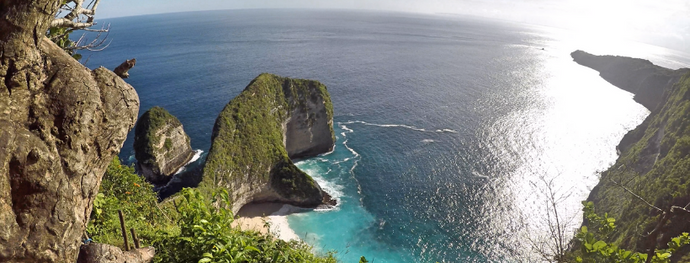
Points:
x=60 y=125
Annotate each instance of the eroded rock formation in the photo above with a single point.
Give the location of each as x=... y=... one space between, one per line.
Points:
x=60 y=125
x=255 y=135
x=161 y=146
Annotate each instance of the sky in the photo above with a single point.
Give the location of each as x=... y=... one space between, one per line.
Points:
x=663 y=23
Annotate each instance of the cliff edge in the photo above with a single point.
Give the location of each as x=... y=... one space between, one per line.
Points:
x=61 y=124
x=161 y=146
x=638 y=76
x=654 y=159
x=254 y=137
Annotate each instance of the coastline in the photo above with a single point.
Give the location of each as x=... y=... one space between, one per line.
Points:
x=255 y=216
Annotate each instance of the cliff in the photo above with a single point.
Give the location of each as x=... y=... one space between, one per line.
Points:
x=61 y=124
x=257 y=133
x=655 y=157
x=638 y=76
x=161 y=146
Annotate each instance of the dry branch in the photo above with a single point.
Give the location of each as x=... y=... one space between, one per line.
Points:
x=77 y=17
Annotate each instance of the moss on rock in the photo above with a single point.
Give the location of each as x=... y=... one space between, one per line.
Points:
x=248 y=155
x=161 y=146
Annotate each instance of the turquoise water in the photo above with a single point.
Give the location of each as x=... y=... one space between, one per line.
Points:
x=447 y=127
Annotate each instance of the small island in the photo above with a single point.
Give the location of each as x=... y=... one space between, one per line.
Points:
x=258 y=132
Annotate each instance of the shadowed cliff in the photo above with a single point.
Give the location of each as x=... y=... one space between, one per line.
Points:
x=647 y=81
x=654 y=161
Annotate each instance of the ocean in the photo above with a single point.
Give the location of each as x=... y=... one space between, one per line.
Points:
x=453 y=133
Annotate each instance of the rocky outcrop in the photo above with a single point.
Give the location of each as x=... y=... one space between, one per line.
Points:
x=160 y=145
x=104 y=253
x=654 y=159
x=60 y=125
x=647 y=81
x=257 y=133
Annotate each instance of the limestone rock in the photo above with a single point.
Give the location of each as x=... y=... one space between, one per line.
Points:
x=103 y=253
x=60 y=125
x=257 y=133
x=161 y=146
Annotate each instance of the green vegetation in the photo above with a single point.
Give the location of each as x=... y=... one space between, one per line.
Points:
x=122 y=189
x=594 y=248
x=248 y=137
x=168 y=144
x=60 y=36
x=654 y=165
x=145 y=131
x=188 y=228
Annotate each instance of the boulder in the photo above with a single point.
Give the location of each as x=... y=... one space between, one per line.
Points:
x=104 y=253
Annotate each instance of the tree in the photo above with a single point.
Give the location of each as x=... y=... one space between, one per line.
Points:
x=71 y=16
x=550 y=237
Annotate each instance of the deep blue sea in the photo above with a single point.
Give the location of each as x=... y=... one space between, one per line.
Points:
x=450 y=130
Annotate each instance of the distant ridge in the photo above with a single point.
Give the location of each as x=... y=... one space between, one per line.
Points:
x=639 y=76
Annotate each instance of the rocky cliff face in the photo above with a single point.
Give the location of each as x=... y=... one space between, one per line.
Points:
x=161 y=146
x=638 y=76
x=654 y=163
x=60 y=125
x=255 y=135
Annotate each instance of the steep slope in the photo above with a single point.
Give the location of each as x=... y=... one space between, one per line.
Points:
x=272 y=120
x=654 y=161
x=160 y=145
x=60 y=125
x=646 y=80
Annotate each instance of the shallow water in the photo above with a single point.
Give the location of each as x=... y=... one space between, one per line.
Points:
x=444 y=125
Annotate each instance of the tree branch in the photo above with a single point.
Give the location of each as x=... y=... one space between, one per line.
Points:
x=74 y=19
x=636 y=196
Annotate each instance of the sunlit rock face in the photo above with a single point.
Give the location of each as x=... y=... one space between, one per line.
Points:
x=257 y=133
x=60 y=126
x=161 y=145
x=647 y=81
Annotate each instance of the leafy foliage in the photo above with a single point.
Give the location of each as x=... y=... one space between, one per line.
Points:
x=189 y=228
x=654 y=164
x=594 y=248
x=122 y=189
x=207 y=235
x=60 y=36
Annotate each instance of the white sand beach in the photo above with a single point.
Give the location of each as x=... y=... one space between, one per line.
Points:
x=255 y=217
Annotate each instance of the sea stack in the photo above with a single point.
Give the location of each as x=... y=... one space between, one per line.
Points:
x=161 y=146
x=258 y=132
